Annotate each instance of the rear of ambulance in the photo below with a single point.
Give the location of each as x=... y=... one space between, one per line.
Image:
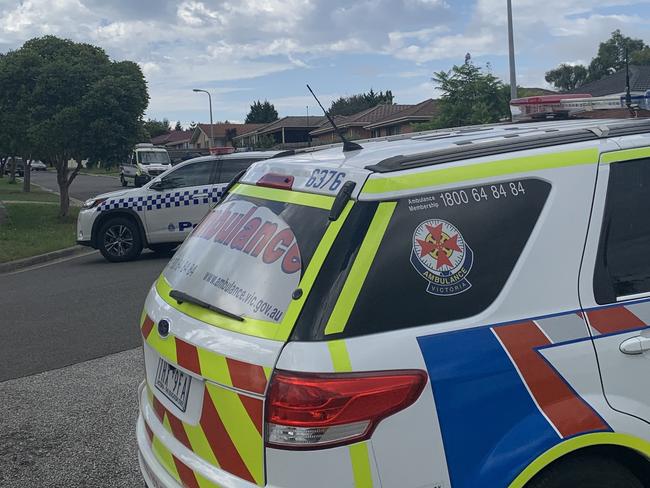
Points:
x=242 y=386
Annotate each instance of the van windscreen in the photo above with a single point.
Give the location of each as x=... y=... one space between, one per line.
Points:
x=248 y=255
x=153 y=157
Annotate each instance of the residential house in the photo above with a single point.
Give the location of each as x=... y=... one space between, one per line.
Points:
x=613 y=87
x=381 y=120
x=175 y=139
x=287 y=132
x=401 y=122
x=223 y=134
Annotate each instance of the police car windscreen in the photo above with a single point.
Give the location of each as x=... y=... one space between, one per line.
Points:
x=153 y=157
x=248 y=255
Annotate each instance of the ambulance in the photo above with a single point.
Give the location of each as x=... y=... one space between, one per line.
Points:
x=455 y=309
x=145 y=162
x=162 y=213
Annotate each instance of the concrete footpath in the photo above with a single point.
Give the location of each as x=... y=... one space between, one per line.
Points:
x=72 y=427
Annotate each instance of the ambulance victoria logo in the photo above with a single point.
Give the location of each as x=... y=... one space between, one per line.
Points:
x=442 y=257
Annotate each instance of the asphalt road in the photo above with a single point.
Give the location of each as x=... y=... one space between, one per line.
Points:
x=72 y=427
x=70 y=363
x=72 y=311
x=83 y=186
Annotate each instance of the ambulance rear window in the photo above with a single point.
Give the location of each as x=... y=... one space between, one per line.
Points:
x=444 y=256
x=248 y=255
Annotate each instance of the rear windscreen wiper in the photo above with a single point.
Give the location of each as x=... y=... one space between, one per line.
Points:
x=181 y=297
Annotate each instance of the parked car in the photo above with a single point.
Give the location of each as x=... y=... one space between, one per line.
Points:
x=20 y=167
x=164 y=211
x=463 y=308
x=38 y=166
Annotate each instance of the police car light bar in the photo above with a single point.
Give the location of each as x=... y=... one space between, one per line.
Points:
x=316 y=411
x=275 y=180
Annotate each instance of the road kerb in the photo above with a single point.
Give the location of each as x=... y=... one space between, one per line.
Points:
x=43 y=258
x=73 y=201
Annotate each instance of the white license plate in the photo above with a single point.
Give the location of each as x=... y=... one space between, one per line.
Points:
x=173 y=383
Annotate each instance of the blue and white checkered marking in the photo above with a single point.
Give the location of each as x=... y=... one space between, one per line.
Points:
x=166 y=200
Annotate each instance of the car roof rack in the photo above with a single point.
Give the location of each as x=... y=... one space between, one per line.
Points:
x=468 y=149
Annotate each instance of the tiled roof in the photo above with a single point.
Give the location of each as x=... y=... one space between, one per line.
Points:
x=615 y=83
x=423 y=111
x=220 y=129
x=362 y=118
x=172 y=137
x=292 y=121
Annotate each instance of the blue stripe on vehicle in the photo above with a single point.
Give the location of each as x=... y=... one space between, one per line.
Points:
x=491 y=428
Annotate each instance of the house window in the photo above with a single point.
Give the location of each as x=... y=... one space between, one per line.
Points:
x=375 y=133
x=393 y=130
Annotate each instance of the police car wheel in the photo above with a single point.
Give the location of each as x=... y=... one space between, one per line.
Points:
x=119 y=240
x=586 y=472
x=162 y=248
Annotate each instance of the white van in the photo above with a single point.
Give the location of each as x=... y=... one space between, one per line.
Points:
x=145 y=162
x=458 y=309
x=162 y=213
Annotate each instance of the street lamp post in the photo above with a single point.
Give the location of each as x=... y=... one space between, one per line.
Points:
x=511 y=50
x=211 y=124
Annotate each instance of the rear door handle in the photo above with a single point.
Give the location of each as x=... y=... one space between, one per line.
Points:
x=635 y=345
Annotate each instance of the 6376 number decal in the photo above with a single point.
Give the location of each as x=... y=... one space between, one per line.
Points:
x=325 y=178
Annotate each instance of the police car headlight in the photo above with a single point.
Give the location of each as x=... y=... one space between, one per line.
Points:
x=92 y=202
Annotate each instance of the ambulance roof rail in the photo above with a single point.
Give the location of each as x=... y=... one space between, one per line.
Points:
x=547 y=137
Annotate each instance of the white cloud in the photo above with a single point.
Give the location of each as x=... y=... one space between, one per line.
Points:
x=185 y=43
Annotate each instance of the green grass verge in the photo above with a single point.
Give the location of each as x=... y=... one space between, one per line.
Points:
x=15 y=192
x=31 y=229
x=101 y=171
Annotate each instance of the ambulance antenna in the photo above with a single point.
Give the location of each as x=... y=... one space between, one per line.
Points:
x=347 y=145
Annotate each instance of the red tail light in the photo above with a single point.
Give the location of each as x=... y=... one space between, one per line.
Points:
x=275 y=180
x=312 y=411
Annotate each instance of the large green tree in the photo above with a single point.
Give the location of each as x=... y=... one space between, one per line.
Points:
x=261 y=113
x=155 y=128
x=470 y=96
x=611 y=55
x=609 y=59
x=567 y=77
x=359 y=102
x=641 y=57
x=65 y=102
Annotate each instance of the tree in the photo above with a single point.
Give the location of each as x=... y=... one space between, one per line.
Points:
x=610 y=59
x=261 y=113
x=68 y=102
x=362 y=101
x=192 y=126
x=154 y=128
x=641 y=57
x=611 y=55
x=567 y=77
x=469 y=97
x=178 y=126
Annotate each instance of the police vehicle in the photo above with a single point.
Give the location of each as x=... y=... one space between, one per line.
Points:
x=455 y=309
x=161 y=214
x=145 y=162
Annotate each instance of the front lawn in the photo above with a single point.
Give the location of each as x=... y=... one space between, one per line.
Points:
x=15 y=192
x=30 y=229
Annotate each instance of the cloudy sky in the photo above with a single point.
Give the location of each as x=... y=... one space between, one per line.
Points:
x=243 y=50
